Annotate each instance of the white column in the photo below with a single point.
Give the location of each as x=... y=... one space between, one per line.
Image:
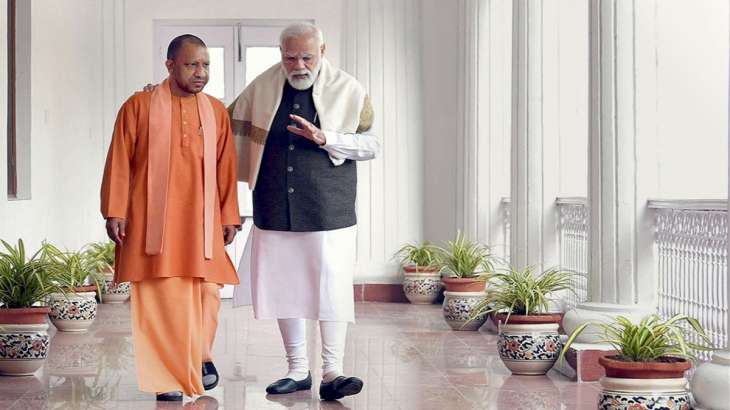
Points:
x=618 y=242
x=484 y=115
x=533 y=193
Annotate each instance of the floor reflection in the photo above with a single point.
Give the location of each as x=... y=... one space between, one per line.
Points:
x=406 y=354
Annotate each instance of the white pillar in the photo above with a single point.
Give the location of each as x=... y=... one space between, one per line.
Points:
x=534 y=225
x=618 y=244
x=484 y=114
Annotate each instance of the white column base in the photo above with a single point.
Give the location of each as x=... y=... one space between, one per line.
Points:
x=711 y=383
x=600 y=312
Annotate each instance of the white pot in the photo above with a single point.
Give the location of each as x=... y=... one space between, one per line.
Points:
x=600 y=312
x=74 y=312
x=111 y=293
x=422 y=288
x=711 y=383
x=624 y=394
x=529 y=349
x=458 y=307
x=23 y=348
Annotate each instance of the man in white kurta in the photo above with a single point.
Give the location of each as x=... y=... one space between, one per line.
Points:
x=300 y=127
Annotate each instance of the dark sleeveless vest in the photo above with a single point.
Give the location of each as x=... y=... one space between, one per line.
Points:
x=298 y=188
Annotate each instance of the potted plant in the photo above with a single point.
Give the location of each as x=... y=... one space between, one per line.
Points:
x=422 y=278
x=24 y=285
x=103 y=254
x=466 y=266
x=75 y=271
x=529 y=342
x=653 y=358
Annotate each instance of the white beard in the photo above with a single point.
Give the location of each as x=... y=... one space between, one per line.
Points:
x=303 y=83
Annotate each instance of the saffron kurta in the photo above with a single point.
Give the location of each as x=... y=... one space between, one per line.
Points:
x=124 y=193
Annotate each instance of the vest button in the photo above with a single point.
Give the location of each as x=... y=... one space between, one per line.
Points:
x=290 y=169
x=296 y=106
x=291 y=190
x=291 y=147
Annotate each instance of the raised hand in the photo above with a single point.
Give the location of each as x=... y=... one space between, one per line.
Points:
x=307 y=130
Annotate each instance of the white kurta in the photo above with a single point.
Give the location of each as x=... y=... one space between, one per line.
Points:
x=305 y=275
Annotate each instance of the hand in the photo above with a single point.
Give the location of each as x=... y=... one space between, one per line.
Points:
x=229 y=233
x=150 y=87
x=307 y=130
x=116 y=228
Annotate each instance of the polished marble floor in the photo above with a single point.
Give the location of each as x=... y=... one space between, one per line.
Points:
x=406 y=354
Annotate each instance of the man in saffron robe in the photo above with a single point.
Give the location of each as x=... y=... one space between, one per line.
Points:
x=169 y=199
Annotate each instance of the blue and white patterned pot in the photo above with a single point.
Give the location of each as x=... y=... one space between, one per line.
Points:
x=422 y=288
x=111 y=293
x=529 y=349
x=74 y=312
x=640 y=394
x=458 y=308
x=23 y=348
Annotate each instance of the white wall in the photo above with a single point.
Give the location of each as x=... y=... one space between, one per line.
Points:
x=67 y=152
x=691 y=102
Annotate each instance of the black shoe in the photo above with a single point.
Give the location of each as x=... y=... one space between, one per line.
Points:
x=170 y=396
x=284 y=386
x=210 y=376
x=340 y=387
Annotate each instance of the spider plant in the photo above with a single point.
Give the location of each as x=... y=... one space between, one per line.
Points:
x=462 y=258
x=422 y=256
x=72 y=269
x=24 y=281
x=651 y=339
x=103 y=255
x=522 y=292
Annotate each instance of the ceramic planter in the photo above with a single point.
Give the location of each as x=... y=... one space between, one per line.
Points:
x=24 y=340
x=710 y=383
x=74 y=312
x=529 y=345
x=422 y=286
x=114 y=293
x=464 y=284
x=635 y=385
x=458 y=307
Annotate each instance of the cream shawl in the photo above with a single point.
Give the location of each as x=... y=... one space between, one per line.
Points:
x=341 y=102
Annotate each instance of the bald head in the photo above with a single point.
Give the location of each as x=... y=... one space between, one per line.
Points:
x=178 y=42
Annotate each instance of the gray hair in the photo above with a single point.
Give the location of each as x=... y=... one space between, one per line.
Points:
x=300 y=30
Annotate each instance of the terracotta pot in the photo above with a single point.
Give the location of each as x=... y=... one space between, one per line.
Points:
x=420 y=269
x=465 y=284
x=673 y=368
x=81 y=289
x=24 y=316
x=24 y=340
x=527 y=319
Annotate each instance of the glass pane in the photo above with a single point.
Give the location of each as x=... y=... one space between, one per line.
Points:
x=216 y=81
x=259 y=59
